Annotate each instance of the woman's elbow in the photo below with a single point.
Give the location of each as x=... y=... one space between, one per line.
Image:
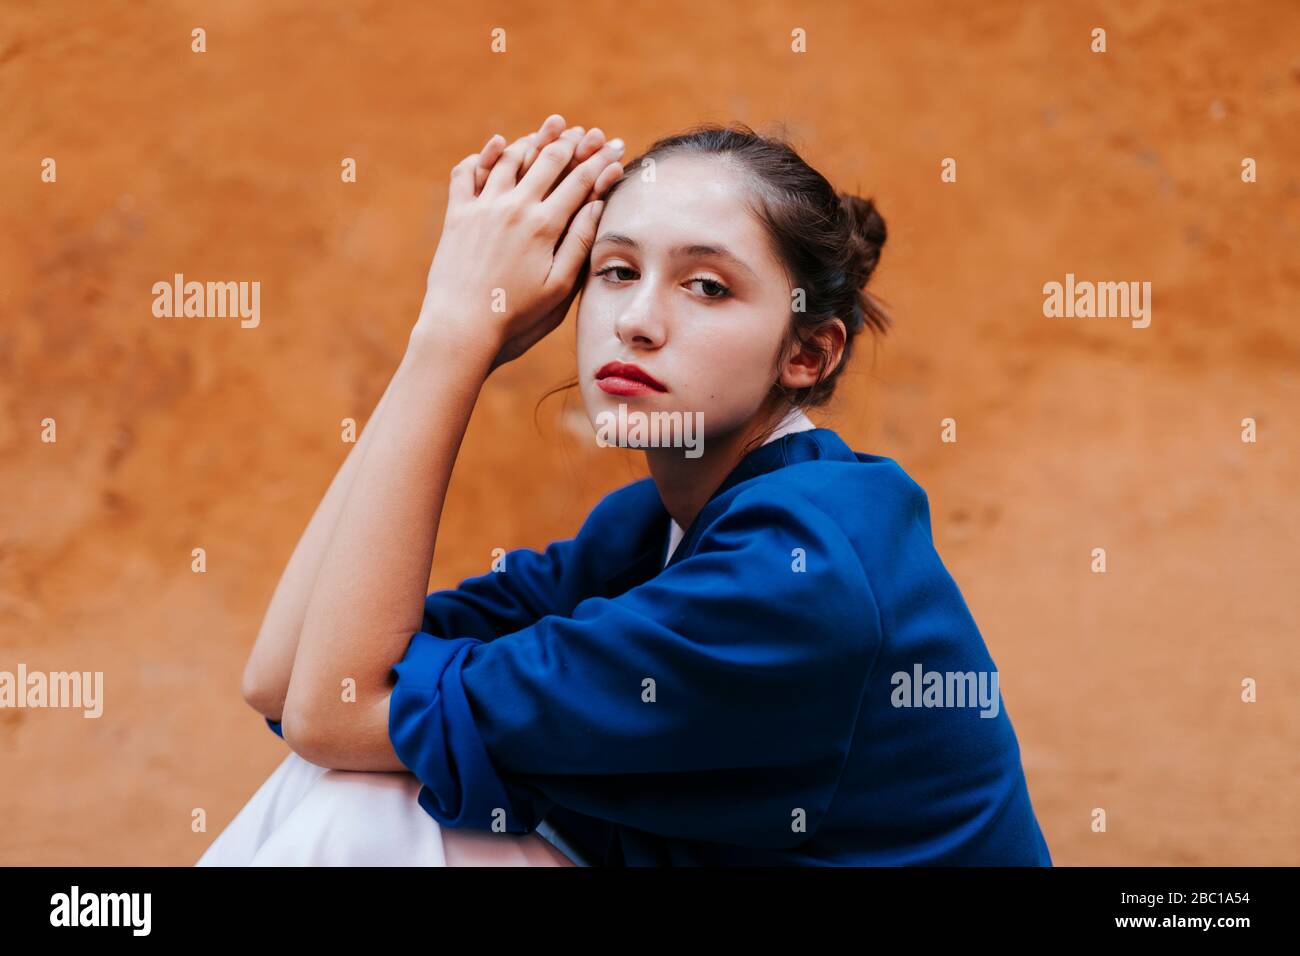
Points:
x=305 y=736
x=267 y=700
x=295 y=734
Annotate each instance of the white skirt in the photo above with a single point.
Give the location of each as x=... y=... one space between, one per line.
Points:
x=305 y=815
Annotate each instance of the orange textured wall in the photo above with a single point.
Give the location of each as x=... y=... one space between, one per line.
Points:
x=1073 y=433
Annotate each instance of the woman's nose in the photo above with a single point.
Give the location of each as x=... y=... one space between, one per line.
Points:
x=642 y=322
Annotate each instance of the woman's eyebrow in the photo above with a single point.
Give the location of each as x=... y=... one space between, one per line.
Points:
x=691 y=250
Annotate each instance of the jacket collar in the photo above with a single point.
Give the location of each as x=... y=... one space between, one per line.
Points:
x=790 y=449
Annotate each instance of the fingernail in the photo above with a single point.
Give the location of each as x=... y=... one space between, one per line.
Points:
x=616 y=145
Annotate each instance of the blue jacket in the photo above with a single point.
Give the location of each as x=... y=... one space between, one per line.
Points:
x=799 y=685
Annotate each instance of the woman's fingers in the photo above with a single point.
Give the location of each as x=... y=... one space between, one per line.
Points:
x=550 y=164
x=460 y=187
x=574 y=134
x=552 y=127
x=576 y=245
x=588 y=142
x=505 y=172
x=590 y=145
x=487 y=158
x=612 y=173
x=565 y=199
x=551 y=130
x=512 y=158
x=540 y=181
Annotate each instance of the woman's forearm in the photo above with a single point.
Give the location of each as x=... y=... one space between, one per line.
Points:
x=503 y=276
x=370 y=588
x=266 y=674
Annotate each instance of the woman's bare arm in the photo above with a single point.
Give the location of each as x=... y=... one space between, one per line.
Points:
x=266 y=674
x=368 y=600
x=372 y=582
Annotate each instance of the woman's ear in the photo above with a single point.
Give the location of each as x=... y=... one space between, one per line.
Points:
x=800 y=368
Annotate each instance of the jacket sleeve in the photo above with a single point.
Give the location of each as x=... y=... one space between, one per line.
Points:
x=716 y=701
x=528 y=587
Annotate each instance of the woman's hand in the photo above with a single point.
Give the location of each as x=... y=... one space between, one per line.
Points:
x=508 y=262
x=552 y=127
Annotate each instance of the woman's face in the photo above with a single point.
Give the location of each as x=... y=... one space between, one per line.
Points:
x=683 y=284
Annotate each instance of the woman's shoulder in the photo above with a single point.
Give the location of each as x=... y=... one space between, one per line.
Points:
x=635 y=509
x=853 y=504
x=852 y=488
x=809 y=484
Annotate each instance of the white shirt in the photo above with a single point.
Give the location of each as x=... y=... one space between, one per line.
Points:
x=796 y=421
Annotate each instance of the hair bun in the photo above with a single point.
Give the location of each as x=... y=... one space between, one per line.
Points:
x=867 y=234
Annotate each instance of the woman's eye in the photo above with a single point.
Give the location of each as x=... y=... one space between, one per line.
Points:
x=715 y=289
x=609 y=269
x=711 y=288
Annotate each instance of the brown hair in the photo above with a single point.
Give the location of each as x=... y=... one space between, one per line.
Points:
x=828 y=241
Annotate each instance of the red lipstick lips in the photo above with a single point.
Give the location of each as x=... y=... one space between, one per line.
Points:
x=620 y=378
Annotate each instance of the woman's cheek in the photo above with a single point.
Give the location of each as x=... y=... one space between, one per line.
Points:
x=588 y=335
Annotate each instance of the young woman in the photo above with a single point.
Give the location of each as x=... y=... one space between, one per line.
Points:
x=753 y=656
